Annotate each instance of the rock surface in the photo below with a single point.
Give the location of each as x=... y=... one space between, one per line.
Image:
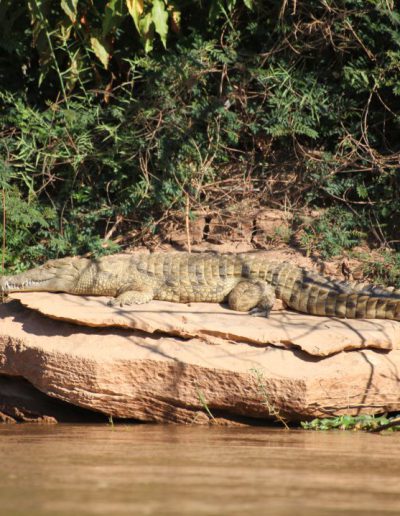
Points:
x=130 y=373
x=319 y=336
x=21 y=402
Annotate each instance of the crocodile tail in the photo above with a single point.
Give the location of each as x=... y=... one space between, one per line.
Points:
x=312 y=293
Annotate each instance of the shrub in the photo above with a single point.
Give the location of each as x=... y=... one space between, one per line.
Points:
x=289 y=103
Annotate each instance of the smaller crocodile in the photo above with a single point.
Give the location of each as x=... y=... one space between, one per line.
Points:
x=248 y=282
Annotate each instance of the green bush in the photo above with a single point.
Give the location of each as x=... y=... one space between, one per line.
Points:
x=333 y=232
x=370 y=423
x=300 y=100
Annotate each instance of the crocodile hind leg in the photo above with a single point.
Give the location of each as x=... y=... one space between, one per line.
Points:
x=254 y=296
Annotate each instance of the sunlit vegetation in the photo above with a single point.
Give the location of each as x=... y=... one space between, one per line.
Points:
x=113 y=115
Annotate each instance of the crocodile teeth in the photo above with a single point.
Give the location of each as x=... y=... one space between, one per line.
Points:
x=7 y=286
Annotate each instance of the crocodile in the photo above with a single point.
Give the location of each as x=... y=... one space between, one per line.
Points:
x=248 y=282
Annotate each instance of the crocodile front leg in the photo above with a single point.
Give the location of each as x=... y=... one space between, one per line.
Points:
x=133 y=297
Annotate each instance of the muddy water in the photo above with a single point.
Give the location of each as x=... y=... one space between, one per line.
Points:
x=99 y=469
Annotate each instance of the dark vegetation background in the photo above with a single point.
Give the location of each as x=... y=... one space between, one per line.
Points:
x=115 y=116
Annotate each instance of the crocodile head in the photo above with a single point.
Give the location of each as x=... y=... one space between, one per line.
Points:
x=53 y=276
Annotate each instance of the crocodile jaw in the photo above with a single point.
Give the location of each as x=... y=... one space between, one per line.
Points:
x=53 y=276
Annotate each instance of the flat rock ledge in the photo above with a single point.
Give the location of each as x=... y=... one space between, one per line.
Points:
x=176 y=364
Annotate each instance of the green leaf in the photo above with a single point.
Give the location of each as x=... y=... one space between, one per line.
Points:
x=135 y=8
x=146 y=30
x=362 y=191
x=70 y=8
x=113 y=15
x=143 y=24
x=160 y=20
x=249 y=4
x=100 y=51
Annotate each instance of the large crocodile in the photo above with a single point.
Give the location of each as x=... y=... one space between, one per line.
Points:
x=249 y=282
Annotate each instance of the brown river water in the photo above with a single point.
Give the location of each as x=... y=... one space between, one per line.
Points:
x=173 y=470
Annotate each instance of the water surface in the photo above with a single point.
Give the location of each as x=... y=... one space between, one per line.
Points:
x=172 y=470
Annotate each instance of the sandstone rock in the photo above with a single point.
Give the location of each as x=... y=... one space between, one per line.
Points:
x=154 y=377
x=21 y=402
x=319 y=336
x=179 y=236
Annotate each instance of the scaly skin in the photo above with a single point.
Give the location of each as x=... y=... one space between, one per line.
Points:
x=246 y=281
